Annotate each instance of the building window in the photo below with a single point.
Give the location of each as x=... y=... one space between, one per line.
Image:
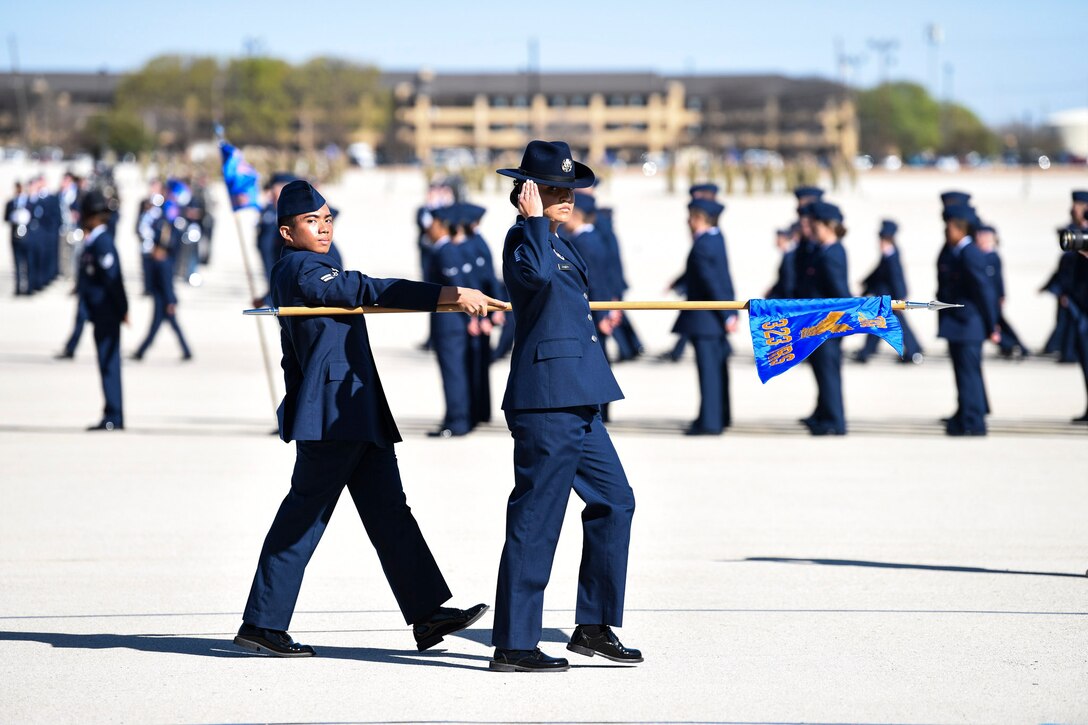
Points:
x=615 y=100
x=500 y=102
x=578 y=101
x=521 y=101
x=695 y=103
x=636 y=100
x=558 y=101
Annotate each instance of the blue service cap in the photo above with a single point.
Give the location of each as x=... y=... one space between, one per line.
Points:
x=585 y=203
x=472 y=212
x=808 y=192
x=1080 y=195
x=298 y=197
x=706 y=188
x=707 y=206
x=961 y=212
x=955 y=198
x=888 y=228
x=985 y=228
x=448 y=215
x=823 y=211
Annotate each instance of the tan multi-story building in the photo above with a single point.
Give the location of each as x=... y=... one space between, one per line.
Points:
x=618 y=115
x=489 y=115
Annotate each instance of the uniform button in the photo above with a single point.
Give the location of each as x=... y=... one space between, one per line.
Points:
x=594 y=338
x=585 y=295
x=589 y=317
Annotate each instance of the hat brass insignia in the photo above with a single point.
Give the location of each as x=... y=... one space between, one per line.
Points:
x=567 y=166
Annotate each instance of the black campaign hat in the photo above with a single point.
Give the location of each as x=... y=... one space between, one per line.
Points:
x=93 y=202
x=550 y=162
x=298 y=197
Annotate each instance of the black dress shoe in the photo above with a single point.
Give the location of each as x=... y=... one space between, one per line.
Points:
x=1082 y=419
x=107 y=425
x=271 y=641
x=64 y=355
x=601 y=640
x=696 y=431
x=445 y=620
x=526 y=660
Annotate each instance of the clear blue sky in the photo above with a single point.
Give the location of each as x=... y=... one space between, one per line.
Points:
x=1008 y=59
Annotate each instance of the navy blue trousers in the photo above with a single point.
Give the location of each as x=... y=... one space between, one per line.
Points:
x=628 y=344
x=971 y=406
x=107 y=340
x=20 y=253
x=371 y=475
x=555 y=451
x=156 y=321
x=452 y=351
x=479 y=355
x=712 y=364
x=77 y=328
x=826 y=362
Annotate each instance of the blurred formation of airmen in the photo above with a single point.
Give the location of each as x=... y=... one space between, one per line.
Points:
x=269 y=241
x=822 y=272
x=988 y=241
x=708 y=192
x=706 y=277
x=785 y=240
x=171 y=231
x=888 y=279
x=1063 y=340
x=1070 y=285
x=628 y=344
x=38 y=226
x=962 y=280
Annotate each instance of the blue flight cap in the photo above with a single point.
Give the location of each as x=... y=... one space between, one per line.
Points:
x=823 y=211
x=813 y=193
x=1080 y=196
x=585 y=203
x=955 y=198
x=448 y=215
x=805 y=209
x=985 y=228
x=706 y=188
x=550 y=163
x=472 y=212
x=298 y=197
x=961 y=212
x=888 y=228
x=707 y=206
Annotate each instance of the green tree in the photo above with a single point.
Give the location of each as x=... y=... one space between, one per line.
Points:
x=964 y=132
x=257 y=105
x=898 y=118
x=174 y=95
x=335 y=99
x=119 y=130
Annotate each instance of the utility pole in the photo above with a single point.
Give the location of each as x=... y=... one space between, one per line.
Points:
x=885 y=49
x=20 y=89
x=934 y=38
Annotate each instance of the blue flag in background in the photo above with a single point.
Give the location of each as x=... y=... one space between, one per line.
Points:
x=785 y=332
x=240 y=177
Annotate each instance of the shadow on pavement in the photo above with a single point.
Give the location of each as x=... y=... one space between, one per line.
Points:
x=203 y=647
x=893 y=565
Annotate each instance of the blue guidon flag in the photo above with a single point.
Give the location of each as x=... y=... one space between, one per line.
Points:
x=240 y=177
x=785 y=332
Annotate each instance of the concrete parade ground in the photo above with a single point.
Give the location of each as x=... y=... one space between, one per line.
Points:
x=893 y=575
